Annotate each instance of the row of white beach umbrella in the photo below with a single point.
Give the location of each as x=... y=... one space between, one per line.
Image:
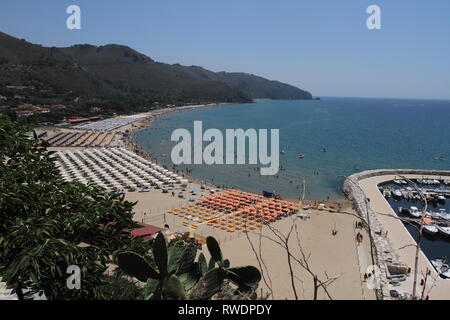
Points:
x=113 y=168
x=107 y=124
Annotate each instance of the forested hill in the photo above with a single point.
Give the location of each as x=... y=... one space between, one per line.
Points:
x=119 y=71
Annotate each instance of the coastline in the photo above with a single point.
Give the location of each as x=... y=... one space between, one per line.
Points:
x=317 y=225
x=146 y=122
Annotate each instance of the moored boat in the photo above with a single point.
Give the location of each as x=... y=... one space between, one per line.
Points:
x=430 y=229
x=397 y=193
x=444 y=214
x=414 y=212
x=441 y=267
x=444 y=230
x=428 y=225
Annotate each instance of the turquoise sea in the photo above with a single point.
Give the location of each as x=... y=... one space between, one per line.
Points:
x=358 y=134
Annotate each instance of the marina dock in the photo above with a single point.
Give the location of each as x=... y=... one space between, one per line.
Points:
x=394 y=246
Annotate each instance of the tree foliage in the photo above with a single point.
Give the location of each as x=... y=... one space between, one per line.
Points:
x=47 y=225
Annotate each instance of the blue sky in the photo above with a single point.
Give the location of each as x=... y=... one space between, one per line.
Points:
x=323 y=46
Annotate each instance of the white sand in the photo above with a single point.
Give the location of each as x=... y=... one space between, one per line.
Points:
x=335 y=255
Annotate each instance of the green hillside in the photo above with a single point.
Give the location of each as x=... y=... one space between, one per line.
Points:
x=118 y=71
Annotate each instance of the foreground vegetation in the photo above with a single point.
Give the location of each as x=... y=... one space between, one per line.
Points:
x=48 y=225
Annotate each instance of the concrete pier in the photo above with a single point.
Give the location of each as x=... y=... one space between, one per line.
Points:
x=394 y=247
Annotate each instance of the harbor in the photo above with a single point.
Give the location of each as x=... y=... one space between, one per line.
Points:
x=394 y=210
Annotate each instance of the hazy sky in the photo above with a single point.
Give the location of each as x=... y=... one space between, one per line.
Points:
x=322 y=46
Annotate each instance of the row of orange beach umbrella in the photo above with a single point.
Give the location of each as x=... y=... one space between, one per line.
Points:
x=198 y=215
x=235 y=210
x=239 y=199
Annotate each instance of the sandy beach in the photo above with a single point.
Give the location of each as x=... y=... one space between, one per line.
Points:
x=329 y=256
x=335 y=258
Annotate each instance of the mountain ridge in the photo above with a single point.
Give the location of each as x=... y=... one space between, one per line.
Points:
x=117 y=70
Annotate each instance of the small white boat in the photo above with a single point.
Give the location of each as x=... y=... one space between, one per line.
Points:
x=444 y=214
x=397 y=193
x=387 y=193
x=444 y=230
x=397 y=181
x=430 y=229
x=405 y=194
x=441 y=198
x=441 y=267
x=414 y=212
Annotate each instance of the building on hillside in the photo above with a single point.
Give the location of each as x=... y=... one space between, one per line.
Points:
x=78 y=120
x=24 y=113
x=146 y=231
x=25 y=106
x=41 y=110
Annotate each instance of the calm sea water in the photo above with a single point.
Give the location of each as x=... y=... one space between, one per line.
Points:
x=359 y=134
